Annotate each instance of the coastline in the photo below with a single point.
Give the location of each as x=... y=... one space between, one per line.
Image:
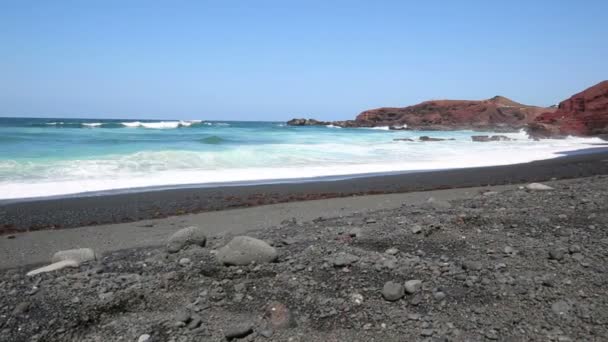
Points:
x=77 y=211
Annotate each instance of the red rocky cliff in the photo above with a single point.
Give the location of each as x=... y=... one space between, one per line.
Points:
x=584 y=114
x=495 y=113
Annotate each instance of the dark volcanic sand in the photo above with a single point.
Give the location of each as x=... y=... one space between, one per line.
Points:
x=513 y=265
x=128 y=207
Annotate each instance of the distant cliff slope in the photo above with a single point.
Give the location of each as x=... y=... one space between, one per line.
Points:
x=495 y=113
x=583 y=114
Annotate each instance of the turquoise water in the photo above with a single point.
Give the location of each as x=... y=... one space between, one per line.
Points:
x=43 y=157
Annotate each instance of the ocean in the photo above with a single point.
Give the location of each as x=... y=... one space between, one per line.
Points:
x=49 y=157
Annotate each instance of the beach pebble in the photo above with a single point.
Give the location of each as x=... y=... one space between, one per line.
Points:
x=557 y=253
x=538 y=187
x=344 y=259
x=238 y=331
x=143 y=338
x=185 y=237
x=413 y=286
x=561 y=308
x=80 y=255
x=243 y=250
x=392 y=291
x=416 y=229
x=54 y=267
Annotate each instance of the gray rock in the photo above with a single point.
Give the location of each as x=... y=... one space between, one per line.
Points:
x=184 y=261
x=472 y=265
x=238 y=331
x=344 y=259
x=557 y=253
x=183 y=316
x=393 y=291
x=21 y=308
x=416 y=229
x=355 y=232
x=538 y=187
x=392 y=251
x=80 y=255
x=185 y=237
x=413 y=286
x=244 y=250
x=143 y=338
x=561 y=308
x=439 y=295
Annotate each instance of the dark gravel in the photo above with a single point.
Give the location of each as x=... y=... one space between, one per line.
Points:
x=515 y=265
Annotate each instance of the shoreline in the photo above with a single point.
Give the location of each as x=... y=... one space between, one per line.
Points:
x=76 y=211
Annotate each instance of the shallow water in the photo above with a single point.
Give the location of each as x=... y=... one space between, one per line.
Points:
x=44 y=157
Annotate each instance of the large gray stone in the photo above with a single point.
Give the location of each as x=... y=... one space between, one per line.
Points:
x=538 y=187
x=393 y=291
x=244 y=250
x=79 y=255
x=185 y=237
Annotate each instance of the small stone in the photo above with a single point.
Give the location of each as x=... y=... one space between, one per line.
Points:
x=80 y=255
x=538 y=187
x=357 y=298
x=509 y=250
x=355 y=232
x=344 y=259
x=185 y=237
x=557 y=253
x=370 y=221
x=392 y=291
x=472 y=265
x=238 y=331
x=561 y=308
x=392 y=251
x=183 y=316
x=21 y=308
x=143 y=338
x=267 y=333
x=426 y=332
x=440 y=295
x=574 y=249
x=413 y=286
x=194 y=323
x=416 y=229
x=184 y=261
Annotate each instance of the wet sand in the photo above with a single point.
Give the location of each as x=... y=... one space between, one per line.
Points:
x=68 y=212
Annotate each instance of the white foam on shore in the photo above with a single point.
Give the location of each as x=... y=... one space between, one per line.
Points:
x=270 y=162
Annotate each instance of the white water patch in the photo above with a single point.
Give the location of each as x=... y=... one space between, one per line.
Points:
x=269 y=162
x=161 y=124
x=92 y=124
x=332 y=126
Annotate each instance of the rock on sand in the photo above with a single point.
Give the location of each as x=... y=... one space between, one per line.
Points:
x=243 y=250
x=185 y=237
x=538 y=187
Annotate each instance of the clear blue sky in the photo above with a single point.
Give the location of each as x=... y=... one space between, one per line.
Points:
x=272 y=60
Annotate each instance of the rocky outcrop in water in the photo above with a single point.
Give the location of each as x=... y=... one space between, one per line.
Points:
x=583 y=114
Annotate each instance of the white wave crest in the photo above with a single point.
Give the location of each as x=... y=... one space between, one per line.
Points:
x=332 y=126
x=161 y=124
x=92 y=124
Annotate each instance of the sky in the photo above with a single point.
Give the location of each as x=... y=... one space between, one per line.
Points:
x=274 y=60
